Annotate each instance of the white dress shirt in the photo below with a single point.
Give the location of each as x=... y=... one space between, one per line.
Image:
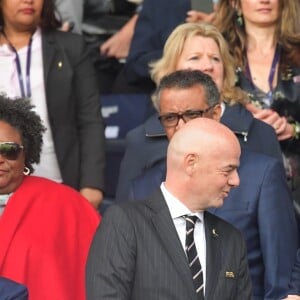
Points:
x=9 y=84
x=178 y=210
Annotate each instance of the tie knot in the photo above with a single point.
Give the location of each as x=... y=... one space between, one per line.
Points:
x=190 y=221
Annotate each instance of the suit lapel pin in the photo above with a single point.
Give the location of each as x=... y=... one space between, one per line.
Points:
x=214 y=233
x=60 y=64
x=229 y=274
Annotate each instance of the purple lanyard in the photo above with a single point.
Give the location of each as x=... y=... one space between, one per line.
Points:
x=271 y=74
x=19 y=69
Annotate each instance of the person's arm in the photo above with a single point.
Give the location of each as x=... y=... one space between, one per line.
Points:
x=194 y=16
x=151 y=31
x=278 y=231
x=94 y=196
x=283 y=129
x=71 y=13
x=118 y=45
x=90 y=128
x=111 y=262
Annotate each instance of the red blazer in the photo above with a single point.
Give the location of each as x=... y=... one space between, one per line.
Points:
x=45 y=234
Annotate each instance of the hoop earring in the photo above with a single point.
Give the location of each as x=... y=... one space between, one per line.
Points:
x=239 y=19
x=26 y=171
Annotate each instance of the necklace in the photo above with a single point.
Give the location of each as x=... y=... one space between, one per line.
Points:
x=276 y=58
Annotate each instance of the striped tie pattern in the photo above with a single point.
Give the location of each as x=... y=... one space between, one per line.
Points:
x=192 y=255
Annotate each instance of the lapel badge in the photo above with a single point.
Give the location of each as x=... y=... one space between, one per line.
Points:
x=60 y=64
x=214 y=233
x=229 y=274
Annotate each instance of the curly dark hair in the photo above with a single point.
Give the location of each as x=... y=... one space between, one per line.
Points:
x=48 y=19
x=19 y=114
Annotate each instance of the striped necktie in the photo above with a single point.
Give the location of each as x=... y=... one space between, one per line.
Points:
x=192 y=255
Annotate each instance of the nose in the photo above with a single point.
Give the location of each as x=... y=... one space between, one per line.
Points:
x=234 y=179
x=180 y=123
x=206 y=65
x=2 y=159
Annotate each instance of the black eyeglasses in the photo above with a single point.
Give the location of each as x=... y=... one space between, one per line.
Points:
x=10 y=150
x=172 y=119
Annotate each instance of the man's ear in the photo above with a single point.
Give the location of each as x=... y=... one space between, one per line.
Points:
x=216 y=113
x=190 y=163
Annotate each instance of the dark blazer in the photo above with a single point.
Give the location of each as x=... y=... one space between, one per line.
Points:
x=253 y=134
x=294 y=288
x=74 y=109
x=136 y=254
x=262 y=209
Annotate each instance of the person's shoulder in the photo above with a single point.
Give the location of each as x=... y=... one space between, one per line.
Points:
x=45 y=184
x=136 y=134
x=66 y=40
x=54 y=191
x=260 y=160
x=135 y=210
x=238 y=116
x=62 y=35
x=150 y=128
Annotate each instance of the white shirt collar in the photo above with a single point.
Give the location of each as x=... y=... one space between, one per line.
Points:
x=176 y=207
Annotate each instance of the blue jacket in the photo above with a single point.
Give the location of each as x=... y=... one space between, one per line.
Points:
x=156 y=21
x=151 y=138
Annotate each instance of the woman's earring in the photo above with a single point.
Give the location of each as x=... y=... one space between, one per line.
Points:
x=26 y=171
x=239 y=19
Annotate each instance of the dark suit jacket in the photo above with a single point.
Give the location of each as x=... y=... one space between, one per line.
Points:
x=262 y=209
x=137 y=254
x=294 y=288
x=74 y=109
x=253 y=134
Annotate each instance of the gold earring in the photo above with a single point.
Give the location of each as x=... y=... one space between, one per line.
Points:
x=26 y=171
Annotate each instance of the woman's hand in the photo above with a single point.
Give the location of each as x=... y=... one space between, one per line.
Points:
x=94 y=196
x=283 y=129
x=119 y=44
x=194 y=16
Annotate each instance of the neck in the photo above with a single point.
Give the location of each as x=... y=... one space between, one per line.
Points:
x=261 y=40
x=18 y=39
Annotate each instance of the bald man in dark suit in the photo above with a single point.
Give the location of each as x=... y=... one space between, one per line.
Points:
x=138 y=251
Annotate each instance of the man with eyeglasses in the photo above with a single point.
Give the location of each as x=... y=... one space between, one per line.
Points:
x=260 y=206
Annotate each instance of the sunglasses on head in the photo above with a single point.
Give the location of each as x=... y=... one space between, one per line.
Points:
x=10 y=150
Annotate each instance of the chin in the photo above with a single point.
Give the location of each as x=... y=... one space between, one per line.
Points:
x=218 y=203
